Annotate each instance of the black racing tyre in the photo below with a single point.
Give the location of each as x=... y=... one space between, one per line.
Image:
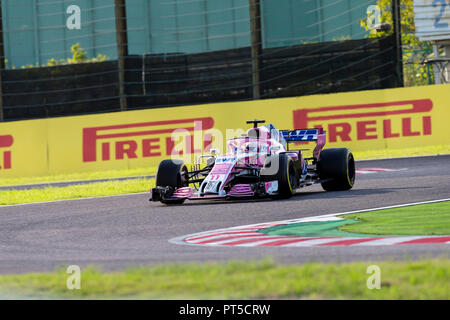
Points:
x=172 y=173
x=337 y=166
x=286 y=174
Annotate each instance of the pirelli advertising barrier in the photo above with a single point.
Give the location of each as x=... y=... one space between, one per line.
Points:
x=368 y=120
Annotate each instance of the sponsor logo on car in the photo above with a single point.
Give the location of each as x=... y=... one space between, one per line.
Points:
x=301 y=135
x=6 y=141
x=144 y=139
x=226 y=160
x=387 y=120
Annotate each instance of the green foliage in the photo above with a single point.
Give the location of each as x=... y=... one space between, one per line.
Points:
x=82 y=176
x=97 y=189
x=414 y=50
x=79 y=55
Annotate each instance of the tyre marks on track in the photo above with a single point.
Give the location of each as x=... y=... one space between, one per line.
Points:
x=376 y=170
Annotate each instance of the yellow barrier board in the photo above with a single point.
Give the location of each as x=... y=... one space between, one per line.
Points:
x=367 y=120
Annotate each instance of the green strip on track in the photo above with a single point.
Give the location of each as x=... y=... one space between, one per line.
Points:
x=425 y=219
x=313 y=229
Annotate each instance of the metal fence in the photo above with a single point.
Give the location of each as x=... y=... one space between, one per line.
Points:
x=61 y=58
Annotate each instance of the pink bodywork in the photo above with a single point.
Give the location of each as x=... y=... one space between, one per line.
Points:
x=321 y=140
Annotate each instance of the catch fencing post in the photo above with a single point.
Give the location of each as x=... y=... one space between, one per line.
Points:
x=122 y=48
x=256 y=42
x=397 y=26
x=2 y=63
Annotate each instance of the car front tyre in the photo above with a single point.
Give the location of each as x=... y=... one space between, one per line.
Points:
x=171 y=173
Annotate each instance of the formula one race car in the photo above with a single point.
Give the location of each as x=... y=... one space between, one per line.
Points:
x=258 y=164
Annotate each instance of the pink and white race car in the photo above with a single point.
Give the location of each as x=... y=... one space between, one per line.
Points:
x=258 y=164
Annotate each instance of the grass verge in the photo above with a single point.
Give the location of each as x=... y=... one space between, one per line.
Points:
x=98 y=189
x=425 y=219
x=110 y=174
x=425 y=279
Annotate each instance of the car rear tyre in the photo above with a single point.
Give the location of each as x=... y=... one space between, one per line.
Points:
x=337 y=167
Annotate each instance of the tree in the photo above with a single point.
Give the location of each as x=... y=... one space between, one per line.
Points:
x=414 y=51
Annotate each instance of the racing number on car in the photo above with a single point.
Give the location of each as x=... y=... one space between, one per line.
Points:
x=212 y=185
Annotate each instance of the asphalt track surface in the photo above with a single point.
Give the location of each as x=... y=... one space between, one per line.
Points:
x=118 y=232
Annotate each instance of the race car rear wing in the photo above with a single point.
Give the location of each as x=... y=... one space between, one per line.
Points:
x=306 y=135
x=302 y=135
